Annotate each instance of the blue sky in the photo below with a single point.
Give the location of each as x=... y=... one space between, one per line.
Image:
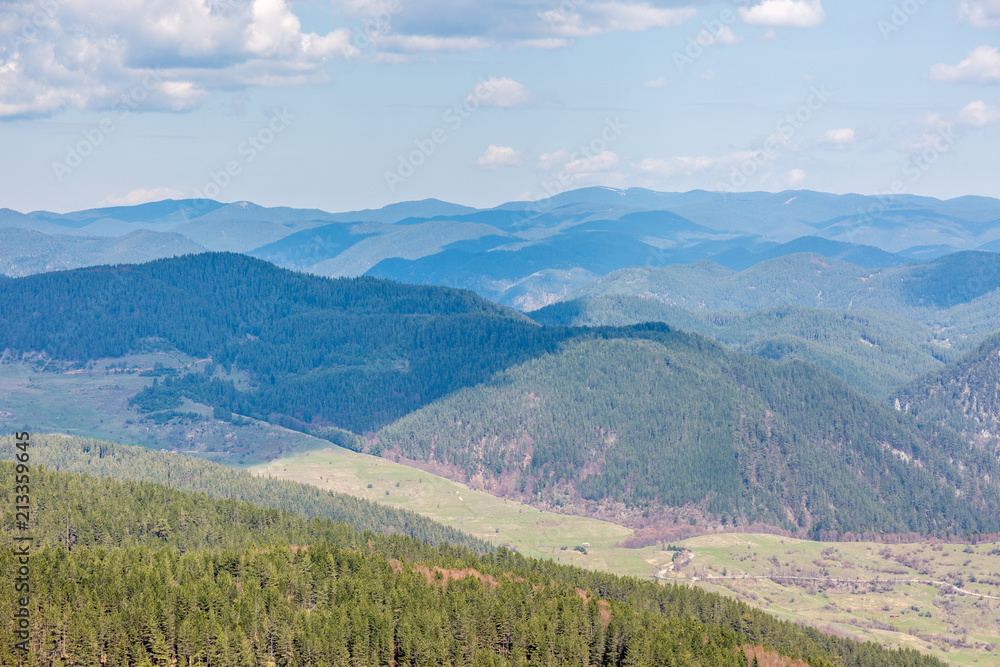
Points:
x=344 y=104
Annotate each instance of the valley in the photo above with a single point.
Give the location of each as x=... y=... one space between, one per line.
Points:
x=873 y=605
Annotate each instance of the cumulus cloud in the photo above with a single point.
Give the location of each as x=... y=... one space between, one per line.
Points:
x=428 y=26
x=499 y=156
x=594 y=18
x=603 y=161
x=689 y=165
x=87 y=54
x=84 y=54
x=141 y=196
x=574 y=167
x=658 y=82
x=795 y=177
x=785 y=13
x=981 y=13
x=430 y=43
x=501 y=92
x=840 y=137
x=724 y=36
x=978 y=114
x=982 y=65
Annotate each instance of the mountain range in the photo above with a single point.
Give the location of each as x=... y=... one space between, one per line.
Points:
x=522 y=254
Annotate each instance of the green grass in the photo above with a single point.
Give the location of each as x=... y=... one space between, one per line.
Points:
x=531 y=531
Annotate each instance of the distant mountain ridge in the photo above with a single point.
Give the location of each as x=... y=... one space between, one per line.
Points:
x=529 y=254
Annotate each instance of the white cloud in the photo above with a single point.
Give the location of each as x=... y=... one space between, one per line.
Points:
x=981 y=13
x=689 y=165
x=978 y=114
x=982 y=65
x=431 y=43
x=429 y=26
x=141 y=196
x=500 y=92
x=550 y=161
x=840 y=137
x=795 y=177
x=724 y=36
x=785 y=13
x=658 y=82
x=603 y=161
x=499 y=156
x=544 y=43
x=581 y=168
x=595 y=18
x=88 y=53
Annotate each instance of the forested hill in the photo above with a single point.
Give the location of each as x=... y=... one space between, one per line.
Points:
x=166 y=577
x=185 y=473
x=675 y=427
x=811 y=280
x=352 y=353
x=875 y=352
x=964 y=395
x=643 y=416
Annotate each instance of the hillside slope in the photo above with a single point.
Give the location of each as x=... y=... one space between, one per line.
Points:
x=675 y=427
x=24 y=252
x=353 y=354
x=873 y=351
x=964 y=395
x=124 y=463
x=163 y=577
x=810 y=280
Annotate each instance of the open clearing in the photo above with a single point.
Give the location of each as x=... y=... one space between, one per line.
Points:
x=532 y=532
x=961 y=629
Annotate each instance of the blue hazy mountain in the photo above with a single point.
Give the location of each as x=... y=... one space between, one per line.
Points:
x=529 y=254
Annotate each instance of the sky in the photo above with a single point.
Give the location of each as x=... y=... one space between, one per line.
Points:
x=349 y=104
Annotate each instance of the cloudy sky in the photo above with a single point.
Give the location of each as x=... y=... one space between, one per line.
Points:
x=343 y=104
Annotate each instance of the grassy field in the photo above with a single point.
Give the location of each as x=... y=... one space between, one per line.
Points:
x=532 y=532
x=961 y=629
